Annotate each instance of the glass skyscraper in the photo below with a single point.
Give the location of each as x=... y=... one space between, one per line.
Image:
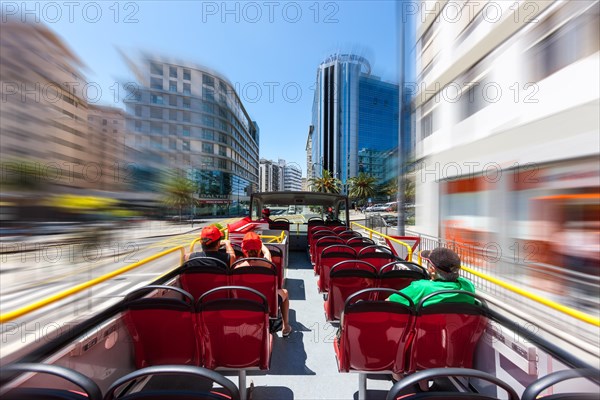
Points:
x=354 y=121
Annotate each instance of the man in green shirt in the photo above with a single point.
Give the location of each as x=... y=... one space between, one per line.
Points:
x=443 y=265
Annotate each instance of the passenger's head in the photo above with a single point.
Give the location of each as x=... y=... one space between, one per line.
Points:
x=443 y=264
x=210 y=237
x=266 y=212
x=251 y=245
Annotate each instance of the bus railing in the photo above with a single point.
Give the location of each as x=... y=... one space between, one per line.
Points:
x=373 y=232
x=12 y=315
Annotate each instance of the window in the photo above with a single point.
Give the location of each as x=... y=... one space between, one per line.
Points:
x=172 y=144
x=187 y=88
x=222 y=164
x=187 y=117
x=185 y=145
x=104 y=122
x=208 y=80
x=208 y=107
x=187 y=75
x=208 y=121
x=156 y=112
x=156 y=83
x=208 y=148
x=172 y=72
x=155 y=127
x=172 y=130
x=222 y=138
x=173 y=101
x=173 y=115
x=222 y=150
x=187 y=103
x=222 y=112
x=156 y=99
x=222 y=86
x=185 y=131
x=138 y=111
x=156 y=68
x=207 y=161
x=209 y=94
x=208 y=134
x=138 y=126
x=173 y=86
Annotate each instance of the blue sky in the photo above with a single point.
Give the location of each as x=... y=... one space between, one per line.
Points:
x=255 y=44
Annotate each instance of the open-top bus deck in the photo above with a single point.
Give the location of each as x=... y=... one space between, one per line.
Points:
x=161 y=326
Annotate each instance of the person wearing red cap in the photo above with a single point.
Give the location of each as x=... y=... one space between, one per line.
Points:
x=252 y=246
x=442 y=265
x=210 y=238
x=266 y=214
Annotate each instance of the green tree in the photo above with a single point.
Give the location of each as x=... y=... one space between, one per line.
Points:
x=391 y=189
x=178 y=191
x=362 y=186
x=326 y=183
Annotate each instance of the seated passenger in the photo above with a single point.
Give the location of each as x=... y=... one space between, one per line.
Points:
x=210 y=237
x=252 y=246
x=442 y=265
x=266 y=214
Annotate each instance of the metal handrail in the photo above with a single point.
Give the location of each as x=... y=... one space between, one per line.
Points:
x=549 y=303
x=9 y=316
x=371 y=232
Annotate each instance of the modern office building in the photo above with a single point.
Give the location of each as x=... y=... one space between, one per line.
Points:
x=187 y=117
x=291 y=176
x=354 y=120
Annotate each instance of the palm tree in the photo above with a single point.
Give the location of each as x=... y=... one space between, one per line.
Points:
x=326 y=183
x=362 y=186
x=178 y=191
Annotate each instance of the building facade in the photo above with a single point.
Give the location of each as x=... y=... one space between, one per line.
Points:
x=354 y=120
x=44 y=124
x=291 y=176
x=189 y=118
x=270 y=176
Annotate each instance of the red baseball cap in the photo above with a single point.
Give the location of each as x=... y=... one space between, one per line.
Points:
x=251 y=241
x=266 y=211
x=210 y=234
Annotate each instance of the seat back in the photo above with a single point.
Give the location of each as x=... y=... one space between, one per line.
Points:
x=378 y=256
x=345 y=278
x=447 y=333
x=374 y=333
x=313 y=223
x=398 y=391
x=80 y=382
x=201 y=274
x=399 y=274
x=200 y=376
x=277 y=258
x=315 y=237
x=319 y=245
x=359 y=243
x=280 y=224
x=233 y=328
x=154 y=323
x=260 y=275
x=348 y=234
x=330 y=256
x=533 y=391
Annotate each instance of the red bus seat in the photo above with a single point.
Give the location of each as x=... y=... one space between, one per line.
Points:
x=313 y=225
x=377 y=256
x=201 y=274
x=358 y=243
x=345 y=278
x=90 y=389
x=260 y=275
x=330 y=256
x=161 y=328
x=234 y=329
x=280 y=224
x=374 y=333
x=348 y=234
x=200 y=376
x=399 y=389
x=447 y=333
x=277 y=258
x=338 y=229
x=534 y=389
x=394 y=275
x=318 y=247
